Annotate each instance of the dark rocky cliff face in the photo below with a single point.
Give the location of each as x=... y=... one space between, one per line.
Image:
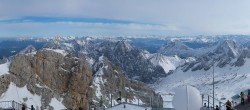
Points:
x=72 y=80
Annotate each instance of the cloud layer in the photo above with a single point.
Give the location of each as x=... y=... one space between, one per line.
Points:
x=164 y=17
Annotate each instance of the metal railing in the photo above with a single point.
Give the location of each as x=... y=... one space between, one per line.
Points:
x=11 y=105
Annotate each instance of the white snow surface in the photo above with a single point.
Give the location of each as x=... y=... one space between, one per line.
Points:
x=63 y=52
x=57 y=105
x=128 y=107
x=98 y=81
x=166 y=62
x=229 y=81
x=4 y=68
x=68 y=45
x=18 y=94
x=90 y=61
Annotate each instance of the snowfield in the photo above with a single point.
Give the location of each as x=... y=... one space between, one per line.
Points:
x=22 y=95
x=19 y=94
x=4 y=68
x=60 y=51
x=229 y=81
x=57 y=105
x=166 y=62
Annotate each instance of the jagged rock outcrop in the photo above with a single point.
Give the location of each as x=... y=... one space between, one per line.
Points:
x=4 y=82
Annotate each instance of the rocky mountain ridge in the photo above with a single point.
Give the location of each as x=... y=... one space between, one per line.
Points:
x=134 y=61
x=73 y=80
x=225 y=53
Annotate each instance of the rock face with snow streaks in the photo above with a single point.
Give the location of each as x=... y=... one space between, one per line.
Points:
x=110 y=80
x=132 y=60
x=227 y=52
x=66 y=77
x=69 y=78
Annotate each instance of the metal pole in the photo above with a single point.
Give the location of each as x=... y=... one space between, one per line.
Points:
x=208 y=101
x=111 y=99
x=213 y=86
x=151 y=101
x=138 y=101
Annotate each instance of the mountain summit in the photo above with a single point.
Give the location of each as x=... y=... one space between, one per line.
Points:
x=228 y=48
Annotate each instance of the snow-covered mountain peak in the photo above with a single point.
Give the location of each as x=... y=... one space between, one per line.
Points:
x=178 y=45
x=228 y=48
x=87 y=39
x=28 y=49
x=168 y=63
x=124 y=45
x=176 y=48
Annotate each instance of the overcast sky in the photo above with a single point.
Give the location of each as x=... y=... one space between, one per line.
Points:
x=123 y=17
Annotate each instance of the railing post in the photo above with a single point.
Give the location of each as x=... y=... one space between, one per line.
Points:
x=202 y=97
x=208 y=101
x=220 y=105
x=13 y=104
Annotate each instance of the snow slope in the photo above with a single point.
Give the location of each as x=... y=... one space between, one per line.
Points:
x=60 y=51
x=19 y=94
x=4 y=68
x=229 y=80
x=97 y=80
x=22 y=95
x=166 y=62
x=57 y=105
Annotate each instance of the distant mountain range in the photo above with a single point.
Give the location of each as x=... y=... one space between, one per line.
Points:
x=163 y=63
